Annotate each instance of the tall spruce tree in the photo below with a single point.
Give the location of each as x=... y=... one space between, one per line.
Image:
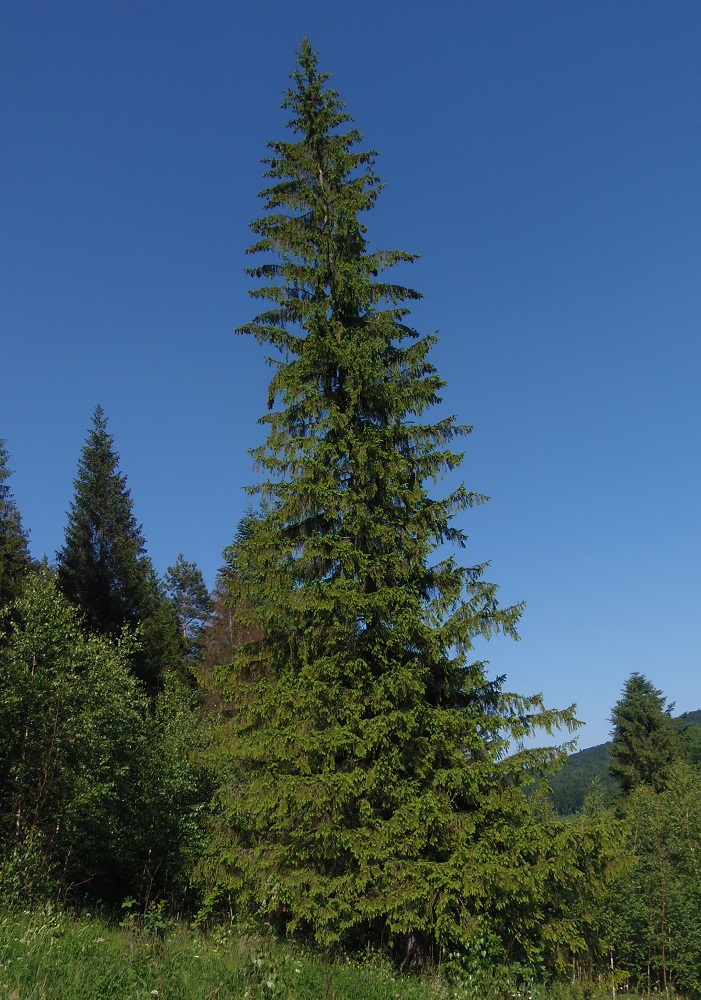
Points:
x=103 y=568
x=15 y=560
x=646 y=742
x=365 y=761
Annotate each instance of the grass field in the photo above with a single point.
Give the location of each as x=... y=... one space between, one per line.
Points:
x=51 y=955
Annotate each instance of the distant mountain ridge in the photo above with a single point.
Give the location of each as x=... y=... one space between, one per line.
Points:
x=571 y=785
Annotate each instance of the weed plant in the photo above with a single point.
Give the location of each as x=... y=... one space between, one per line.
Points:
x=52 y=955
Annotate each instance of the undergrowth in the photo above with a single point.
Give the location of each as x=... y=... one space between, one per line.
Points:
x=49 y=954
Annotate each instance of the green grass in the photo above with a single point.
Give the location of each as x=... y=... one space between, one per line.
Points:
x=50 y=955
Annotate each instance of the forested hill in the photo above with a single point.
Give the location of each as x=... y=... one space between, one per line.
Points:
x=571 y=785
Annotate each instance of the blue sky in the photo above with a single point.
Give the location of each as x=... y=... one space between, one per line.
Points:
x=543 y=158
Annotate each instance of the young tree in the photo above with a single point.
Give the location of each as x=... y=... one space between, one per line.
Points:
x=650 y=911
x=95 y=790
x=72 y=727
x=15 y=560
x=646 y=742
x=192 y=602
x=103 y=567
x=364 y=765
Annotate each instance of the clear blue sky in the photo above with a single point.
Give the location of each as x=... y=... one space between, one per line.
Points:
x=544 y=159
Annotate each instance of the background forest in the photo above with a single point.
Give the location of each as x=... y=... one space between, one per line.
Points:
x=317 y=748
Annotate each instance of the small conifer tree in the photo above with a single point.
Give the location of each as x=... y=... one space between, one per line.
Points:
x=366 y=753
x=15 y=560
x=191 y=601
x=646 y=742
x=103 y=568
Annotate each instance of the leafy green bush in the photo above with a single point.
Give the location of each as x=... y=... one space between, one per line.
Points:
x=651 y=914
x=97 y=790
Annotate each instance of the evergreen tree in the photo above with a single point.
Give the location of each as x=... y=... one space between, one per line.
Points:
x=103 y=567
x=364 y=771
x=192 y=602
x=15 y=560
x=646 y=742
